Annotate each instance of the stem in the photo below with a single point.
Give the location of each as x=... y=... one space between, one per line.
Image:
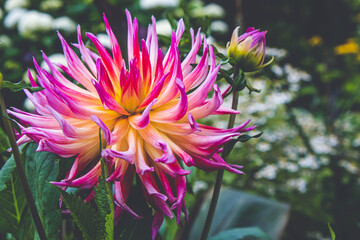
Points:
x=20 y=167
x=220 y=173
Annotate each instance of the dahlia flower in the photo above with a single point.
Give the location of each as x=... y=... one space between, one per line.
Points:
x=146 y=108
x=248 y=50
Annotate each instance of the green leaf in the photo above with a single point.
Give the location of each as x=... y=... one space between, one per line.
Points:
x=86 y=217
x=26 y=229
x=40 y=169
x=15 y=87
x=241 y=233
x=105 y=206
x=331 y=232
x=12 y=198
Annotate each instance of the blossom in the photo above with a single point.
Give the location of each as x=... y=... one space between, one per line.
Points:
x=146 y=109
x=248 y=50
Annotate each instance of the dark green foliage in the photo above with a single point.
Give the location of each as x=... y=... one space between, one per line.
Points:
x=12 y=198
x=134 y=229
x=241 y=233
x=41 y=168
x=86 y=217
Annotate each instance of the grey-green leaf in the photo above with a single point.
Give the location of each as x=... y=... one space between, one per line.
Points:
x=86 y=217
x=41 y=168
x=241 y=233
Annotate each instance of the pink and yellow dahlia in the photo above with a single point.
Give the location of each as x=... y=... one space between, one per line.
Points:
x=146 y=108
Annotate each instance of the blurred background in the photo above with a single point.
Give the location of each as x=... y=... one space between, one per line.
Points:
x=306 y=163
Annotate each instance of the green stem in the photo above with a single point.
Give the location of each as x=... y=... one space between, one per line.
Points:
x=20 y=167
x=220 y=173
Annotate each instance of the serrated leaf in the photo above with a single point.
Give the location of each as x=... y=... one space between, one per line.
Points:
x=40 y=169
x=333 y=236
x=15 y=87
x=12 y=198
x=86 y=217
x=105 y=206
x=241 y=233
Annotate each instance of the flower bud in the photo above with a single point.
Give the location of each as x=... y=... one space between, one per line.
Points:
x=248 y=50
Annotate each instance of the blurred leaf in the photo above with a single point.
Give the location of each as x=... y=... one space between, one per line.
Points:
x=12 y=198
x=236 y=209
x=15 y=87
x=331 y=232
x=41 y=168
x=4 y=141
x=241 y=233
x=134 y=229
x=86 y=217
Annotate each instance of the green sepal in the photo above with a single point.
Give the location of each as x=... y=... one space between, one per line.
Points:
x=239 y=82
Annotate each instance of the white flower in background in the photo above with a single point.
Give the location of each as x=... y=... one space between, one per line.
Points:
x=147 y=4
x=163 y=27
x=277 y=98
x=56 y=58
x=5 y=41
x=104 y=40
x=291 y=167
x=50 y=5
x=219 y=27
x=63 y=24
x=256 y=107
x=28 y=105
x=356 y=141
x=276 y=52
x=12 y=4
x=214 y=10
x=33 y=22
x=25 y=77
x=322 y=144
x=13 y=17
x=309 y=162
x=349 y=166
x=297 y=184
x=263 y=147
x=324 y=160
x=199 y=186
x=277 y=70
x=295 y=75
x=268 y=172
